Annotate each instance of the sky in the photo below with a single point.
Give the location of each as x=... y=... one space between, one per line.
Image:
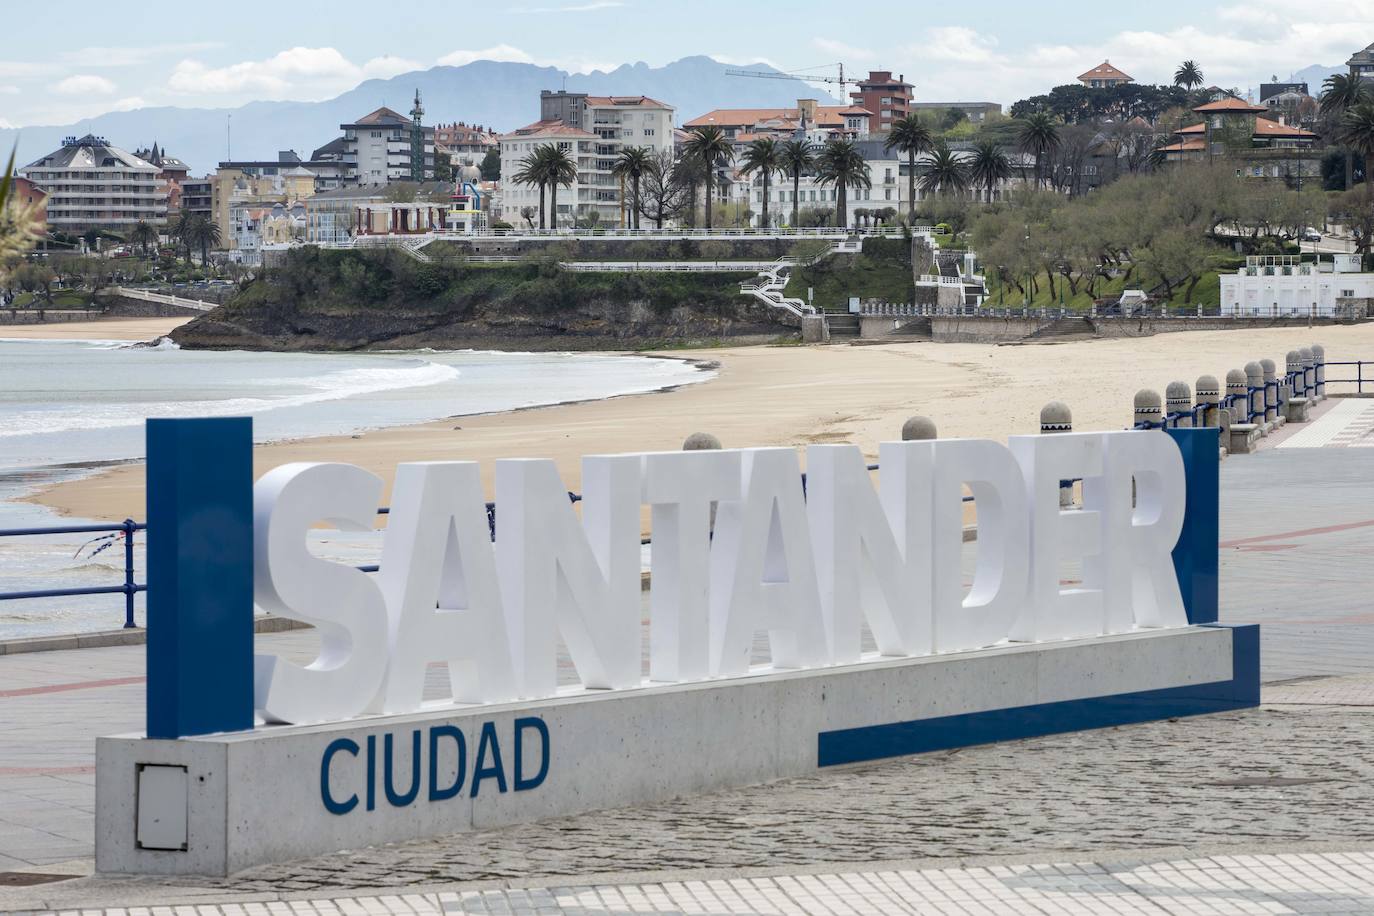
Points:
x=65 y=61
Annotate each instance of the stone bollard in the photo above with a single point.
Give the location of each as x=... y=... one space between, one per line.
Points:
x=1208 y=399
x=1298 y=405
x=1254 y=384
x=1178 y=401
x=1271 y=394
x=918 y=428
x=1055 y=417
x=698 y=442
x=1319 y=354
x=1235 y=390
x=1148 y=409
x=1309 y=373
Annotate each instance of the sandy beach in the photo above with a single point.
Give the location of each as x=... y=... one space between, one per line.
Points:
x=794 y=396
x=105 y=329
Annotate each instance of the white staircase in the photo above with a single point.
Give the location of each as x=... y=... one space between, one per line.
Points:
x=770 y=284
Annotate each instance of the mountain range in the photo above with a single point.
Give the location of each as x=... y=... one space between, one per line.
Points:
x=502 y=95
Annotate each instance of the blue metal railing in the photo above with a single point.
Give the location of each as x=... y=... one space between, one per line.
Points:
x=128 y=589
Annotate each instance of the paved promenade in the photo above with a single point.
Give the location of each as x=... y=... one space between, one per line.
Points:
x=1162 y=809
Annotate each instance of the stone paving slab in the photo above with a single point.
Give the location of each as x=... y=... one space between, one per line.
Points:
x=1327 y=881
x=1350 y=423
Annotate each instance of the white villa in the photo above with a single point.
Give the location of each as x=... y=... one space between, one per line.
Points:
x=1283 y=285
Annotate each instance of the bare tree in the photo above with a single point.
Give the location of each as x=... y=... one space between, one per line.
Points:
x=663 y=189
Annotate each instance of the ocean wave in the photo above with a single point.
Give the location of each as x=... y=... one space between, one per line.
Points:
x=332 y=386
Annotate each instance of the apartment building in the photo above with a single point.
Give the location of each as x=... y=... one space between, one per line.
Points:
x=377 y=148
x=92 y=184
x=889 y=99
x=809 y=119
x=593 y=129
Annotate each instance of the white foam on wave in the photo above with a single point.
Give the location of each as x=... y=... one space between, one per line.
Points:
x=333 y=386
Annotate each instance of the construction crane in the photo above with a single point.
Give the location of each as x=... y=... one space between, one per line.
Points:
x=800 y=75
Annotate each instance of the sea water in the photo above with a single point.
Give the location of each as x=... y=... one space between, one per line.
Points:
x=69 y=408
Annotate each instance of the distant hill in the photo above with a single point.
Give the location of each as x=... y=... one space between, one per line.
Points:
x=1315 y=75
x=503 y=95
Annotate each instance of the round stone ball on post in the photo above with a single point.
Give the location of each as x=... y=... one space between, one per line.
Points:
x=699 y=442
x=1055 y=417
x=918 y=429
x=1254 y=385
x=1271 y=391
x=1207 y=399
x=1319 y=354
x=1148 y=409
x=1179 y=401
x=1235 y=390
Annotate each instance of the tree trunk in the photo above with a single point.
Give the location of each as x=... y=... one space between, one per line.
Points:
x=1350 y=170
x=796 y=197
x=710 y=183
x=541 y=206
x=553 y=204
x=765 y=198
x=911 y=185
x=1192 y=285
x=841 y=208
x=636 y=213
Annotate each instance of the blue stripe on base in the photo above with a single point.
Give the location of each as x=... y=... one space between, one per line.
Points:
x=874 y=742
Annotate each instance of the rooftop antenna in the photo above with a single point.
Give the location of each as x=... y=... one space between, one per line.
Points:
x=229 y=138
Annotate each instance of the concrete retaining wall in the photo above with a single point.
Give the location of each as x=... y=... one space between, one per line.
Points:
x=959 y=329
x=266 y=795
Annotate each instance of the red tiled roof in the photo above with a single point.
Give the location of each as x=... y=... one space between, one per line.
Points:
x=748 y=117
x=1185 y=146
x=1267 y=128
x=1230 y=103
x=550 y=128
x=1104 y=71
x=1198 y=128
x=626 y=101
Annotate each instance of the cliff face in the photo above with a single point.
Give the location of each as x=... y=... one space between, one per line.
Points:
x=347 y=300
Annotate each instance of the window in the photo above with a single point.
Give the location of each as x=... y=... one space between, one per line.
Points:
x=888 y=192
x=648 y=131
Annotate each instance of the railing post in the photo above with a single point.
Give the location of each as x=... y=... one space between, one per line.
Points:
x=130 y=588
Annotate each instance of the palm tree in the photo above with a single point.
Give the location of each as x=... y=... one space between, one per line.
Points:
x=989 y=165
x=796 y=157
x=713 y=148
x=840 y=163
x=184 y=230
x=1039 y=136
x=559 y=169
x=763 y=155
x=631 y=164
x=533 y=171
x=688 y=172
x=1340 y=93
x=1188 y=75
x=143 y=235
x=203 y=232
x=945 y=173
x=910 y=135
x=1357 y=133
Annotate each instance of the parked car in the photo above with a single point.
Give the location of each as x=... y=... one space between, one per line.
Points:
x=1311 y=235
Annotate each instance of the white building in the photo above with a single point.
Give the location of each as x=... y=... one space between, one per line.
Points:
x=593 y=130
x=376 y=148
x=92 y=184
x=1282 y=285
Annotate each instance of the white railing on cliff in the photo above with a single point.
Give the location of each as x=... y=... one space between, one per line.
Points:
x=148 y=295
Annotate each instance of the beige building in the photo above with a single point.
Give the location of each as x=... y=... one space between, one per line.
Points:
x=92 y=184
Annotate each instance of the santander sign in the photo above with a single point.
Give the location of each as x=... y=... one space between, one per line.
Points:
x=740 y=545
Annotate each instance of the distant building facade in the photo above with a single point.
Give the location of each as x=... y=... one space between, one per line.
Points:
x=808 y=119
x=1233 y=130
x=92 y=184
x=377 y=148
x=977 y=112
x=888 y=99
x=1104 y=76
x=1283 y=285
x=1361 y=63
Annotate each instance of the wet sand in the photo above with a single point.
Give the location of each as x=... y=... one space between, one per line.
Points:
x=104 y=329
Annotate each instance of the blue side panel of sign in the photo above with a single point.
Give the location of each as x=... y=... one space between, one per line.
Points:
x=854 y=745
x=1195 y=554
x=200 y=576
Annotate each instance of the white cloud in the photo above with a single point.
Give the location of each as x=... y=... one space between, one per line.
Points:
x=9 y=90
x=495 y=52
x=958 y=43
x=296 y=72
x=6 y=125
x=388 y=66
x=841 y=50
x=85 y=84
x=129 y=56
x=129 y=104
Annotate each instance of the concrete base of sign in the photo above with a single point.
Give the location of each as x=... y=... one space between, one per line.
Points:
x=1244 y=437
x=1298 y=410
x=284 y=792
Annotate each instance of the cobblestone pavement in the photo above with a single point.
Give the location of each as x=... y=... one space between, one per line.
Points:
x=1330 y=882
